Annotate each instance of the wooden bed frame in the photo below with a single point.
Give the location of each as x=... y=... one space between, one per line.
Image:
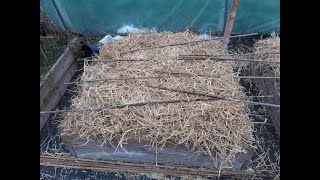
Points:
x=52 y=90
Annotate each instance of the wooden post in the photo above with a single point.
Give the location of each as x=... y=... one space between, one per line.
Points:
x=228 y=28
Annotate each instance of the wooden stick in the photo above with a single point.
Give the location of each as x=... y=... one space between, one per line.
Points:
x=244 y=59
x=89 y=59
x=228 y=29
x=186 y=55
x=130 y=78
x=266 y=96
x=258 y=77
x=103 y=163
x=218 y=97
x=174 y=74
x=193 y=58
x=183 y=43
x=218 y=76
x=126 y=105
x=212 y=98
x=115 y=60
x=185 y=58
x=159 y=77
x=227 y=59
x=169 y=169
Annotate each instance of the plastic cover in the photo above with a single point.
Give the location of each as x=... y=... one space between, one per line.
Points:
x=204 y=16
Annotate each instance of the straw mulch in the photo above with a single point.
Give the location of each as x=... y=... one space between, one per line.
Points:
x=48 y=27
x=218 y=128
x=271 y=44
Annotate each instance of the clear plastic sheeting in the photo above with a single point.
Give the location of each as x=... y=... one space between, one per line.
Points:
x=109 y=38
x=204 y=16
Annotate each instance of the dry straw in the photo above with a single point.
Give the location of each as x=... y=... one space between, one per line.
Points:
x=263 y=163
x=271 y=44
x=220 y=129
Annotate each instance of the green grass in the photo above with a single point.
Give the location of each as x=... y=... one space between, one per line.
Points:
x=53 y=48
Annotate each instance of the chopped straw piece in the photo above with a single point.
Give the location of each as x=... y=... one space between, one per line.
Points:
x=216 y=128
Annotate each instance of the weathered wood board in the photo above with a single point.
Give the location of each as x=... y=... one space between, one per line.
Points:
x=165 y=169
x=143 y=153
x=52 y=87
x=267 y=86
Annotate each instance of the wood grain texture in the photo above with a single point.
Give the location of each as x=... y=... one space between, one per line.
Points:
x=52 y=87
x=143 y=153
x=267 y=86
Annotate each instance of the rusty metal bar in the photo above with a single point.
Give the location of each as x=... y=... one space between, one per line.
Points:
x=228 y=28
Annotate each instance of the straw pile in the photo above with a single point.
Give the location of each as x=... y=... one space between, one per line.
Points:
x=218 y=128
x=272 y=45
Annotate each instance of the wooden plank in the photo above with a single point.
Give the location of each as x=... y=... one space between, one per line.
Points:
x=267 y=86
x=55 y=74
x=52 y=87
x=143 y=153
x=55 y=93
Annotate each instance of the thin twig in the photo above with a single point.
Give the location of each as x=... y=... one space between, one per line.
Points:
x=173 y=75
x=226 y=59
x=115 y=60
x=258 y=77
x=126 y=105
x=43 y=53
x=218 y=75
x=159 y=102
x=264 y=53
x=218 y=97
x=185 y=58
x=183 y=43
x=211 y=98
x=103 y=165
x=91 y=59
x=144 y=77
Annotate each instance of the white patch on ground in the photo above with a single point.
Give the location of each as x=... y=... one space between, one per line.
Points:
x=205 y=36
x=128 y=29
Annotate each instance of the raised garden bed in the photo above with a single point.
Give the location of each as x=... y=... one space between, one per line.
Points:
x=53 y=91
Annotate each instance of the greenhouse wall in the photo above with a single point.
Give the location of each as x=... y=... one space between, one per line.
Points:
x=204 y=16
